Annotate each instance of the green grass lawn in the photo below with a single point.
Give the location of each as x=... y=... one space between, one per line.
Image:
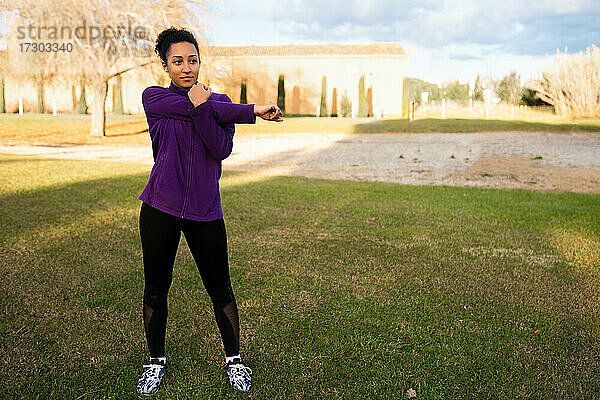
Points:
x=345 y=289
x=472 y=125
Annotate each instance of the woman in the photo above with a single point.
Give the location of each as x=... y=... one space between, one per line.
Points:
x=191 y=130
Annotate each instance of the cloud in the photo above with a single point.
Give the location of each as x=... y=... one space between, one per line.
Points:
x=445 y=38
x=509 y=26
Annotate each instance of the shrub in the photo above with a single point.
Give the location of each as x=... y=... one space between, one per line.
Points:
x=572 y=84
x=478 y=90
x=243 y=95
x=281 y=94
x=323 y=108
x=530 y=98
x=457 y=92
x=509 y=89
x=346 y=106
x=362 y=98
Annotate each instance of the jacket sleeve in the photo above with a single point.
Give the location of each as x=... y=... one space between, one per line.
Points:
x=226 y=112
x=214 y=123
x=161 y=102
x=218 y=140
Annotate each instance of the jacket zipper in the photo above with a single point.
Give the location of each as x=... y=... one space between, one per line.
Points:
x=185 y=198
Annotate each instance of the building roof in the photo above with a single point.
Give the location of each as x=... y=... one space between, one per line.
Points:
x=325 y=49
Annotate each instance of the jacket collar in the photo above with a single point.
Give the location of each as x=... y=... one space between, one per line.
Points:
x=174 y=88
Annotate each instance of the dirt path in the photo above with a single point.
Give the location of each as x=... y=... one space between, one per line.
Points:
x=540 y=161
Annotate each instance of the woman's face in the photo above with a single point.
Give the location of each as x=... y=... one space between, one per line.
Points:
x=183 y=64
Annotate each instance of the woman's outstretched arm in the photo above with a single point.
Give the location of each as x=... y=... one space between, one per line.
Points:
x=218 y=138
x=160 y=102
x=227 y=112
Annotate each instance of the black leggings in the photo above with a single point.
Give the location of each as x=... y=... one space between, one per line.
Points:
x=160 y=234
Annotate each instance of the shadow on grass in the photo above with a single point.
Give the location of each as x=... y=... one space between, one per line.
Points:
x=128 y=134
x=335 y=282
x=467 y=125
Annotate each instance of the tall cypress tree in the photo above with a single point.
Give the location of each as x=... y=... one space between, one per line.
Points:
x=243 y=98
x=82 y=105
x=478 y=90
x=323 y=108
x=281 y=94
x=2 y=100
x=118 y=96
x=40 y=95
x=73 y=97
x=346 y=105
x=405 y=97
x=362 y=98
x=334 y=103
x=370 y=102
x=295 y=109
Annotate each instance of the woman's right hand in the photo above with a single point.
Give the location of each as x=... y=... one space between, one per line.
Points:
x=268 y=112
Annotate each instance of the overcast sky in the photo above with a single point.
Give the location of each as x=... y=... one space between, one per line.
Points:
x=445 y=39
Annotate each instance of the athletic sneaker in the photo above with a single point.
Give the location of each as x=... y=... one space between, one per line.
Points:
x=239 y=374
x=153 y=374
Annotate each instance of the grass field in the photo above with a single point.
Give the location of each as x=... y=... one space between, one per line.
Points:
x=346 y=289
x=473 y=125
x=133 y=129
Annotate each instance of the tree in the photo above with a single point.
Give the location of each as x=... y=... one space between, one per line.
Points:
x=415 y=87
x=114 y=36
x=531 y=98
x=572 y=84
x=362 y=98
x=509 y=88
x=255 y=79
x=39 y=80
x=323 y=107
x=82 y=107
x=295 y=109
x=457 y=91
x=3 y=73
x=406 y=89
x=41 y=66
x=243 y=97
x=281 y=94
x=334 y=103
x=346 y=106
x=478 y=90
x=118 y=96
x=2 y=99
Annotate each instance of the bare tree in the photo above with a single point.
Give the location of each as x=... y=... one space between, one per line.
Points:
x=108 y=37
x=572 y=85
x=25 y=64
x=4 y=69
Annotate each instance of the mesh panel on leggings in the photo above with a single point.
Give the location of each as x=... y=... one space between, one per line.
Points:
x=155 y=325
x=228 y=322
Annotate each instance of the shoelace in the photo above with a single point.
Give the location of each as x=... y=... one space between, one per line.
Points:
x=153 y=371
x=239 y=371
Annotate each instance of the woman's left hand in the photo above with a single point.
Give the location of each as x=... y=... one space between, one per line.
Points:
x=268 y=112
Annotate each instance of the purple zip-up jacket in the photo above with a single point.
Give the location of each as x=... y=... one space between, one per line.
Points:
x=188 y=144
